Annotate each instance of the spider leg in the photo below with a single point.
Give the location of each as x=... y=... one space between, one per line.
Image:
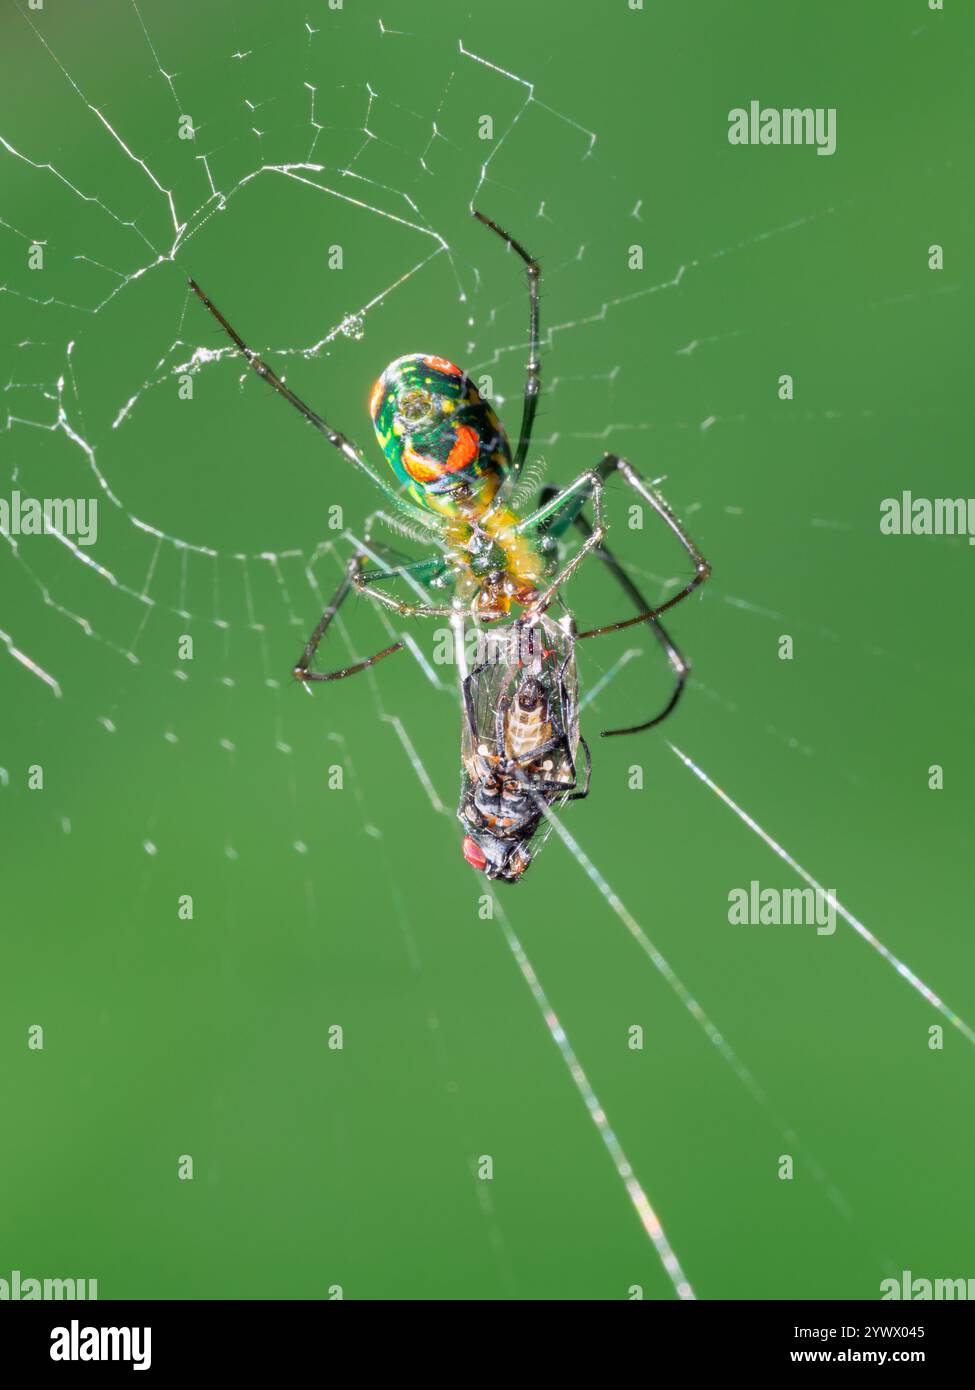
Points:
x=576 y=795
x=418 y=573
x=574 y=497
x=345 y=447
x=394 y=564
x=566 y=789
x=363 y=585
x=680 y=667
x=584 y=792
x=557 y=510
x=542 y=788
x=301 y=671
x=533 y=380
x=612 y=463
x=558 y=507
x=572 y=787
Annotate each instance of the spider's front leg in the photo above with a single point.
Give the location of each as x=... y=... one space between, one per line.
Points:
x=570 y=500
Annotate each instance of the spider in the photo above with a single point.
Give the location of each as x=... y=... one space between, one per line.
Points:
x=456 y=475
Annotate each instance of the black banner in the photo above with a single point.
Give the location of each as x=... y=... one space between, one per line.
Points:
x=168 y=1339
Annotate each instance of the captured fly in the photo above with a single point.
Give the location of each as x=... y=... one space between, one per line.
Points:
x=520 y=744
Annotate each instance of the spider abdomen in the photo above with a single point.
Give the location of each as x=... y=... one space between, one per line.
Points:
x=441 y=437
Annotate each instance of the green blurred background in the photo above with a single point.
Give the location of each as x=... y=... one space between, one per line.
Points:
x=313 y=1167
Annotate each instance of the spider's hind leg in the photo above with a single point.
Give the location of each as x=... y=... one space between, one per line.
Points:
x=613 y=463
x=557 y=511
x=678 y=664
x=558 y=516
x=356 y=577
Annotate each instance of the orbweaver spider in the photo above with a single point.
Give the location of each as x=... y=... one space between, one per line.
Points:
x=456 y=477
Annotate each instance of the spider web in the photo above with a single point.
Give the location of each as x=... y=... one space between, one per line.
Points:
x=307 y=136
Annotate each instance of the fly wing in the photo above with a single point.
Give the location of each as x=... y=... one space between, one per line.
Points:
x=510 y=656
x=491 y=680
x=504 y=656
x=562 y=680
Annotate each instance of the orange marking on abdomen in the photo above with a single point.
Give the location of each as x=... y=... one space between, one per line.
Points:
x=427 y=470
x=463 y=451
x=424 y=470
x=440 y=364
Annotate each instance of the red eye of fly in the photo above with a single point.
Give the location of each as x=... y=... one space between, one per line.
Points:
x=474 y=854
